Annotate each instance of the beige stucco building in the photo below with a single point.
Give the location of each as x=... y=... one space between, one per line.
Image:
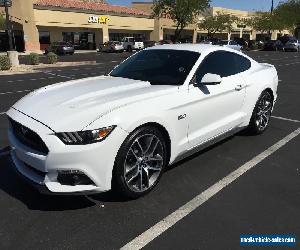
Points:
x=37 y=23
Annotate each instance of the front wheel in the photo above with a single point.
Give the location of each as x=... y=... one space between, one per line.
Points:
x=140 y=162
x=261 y=114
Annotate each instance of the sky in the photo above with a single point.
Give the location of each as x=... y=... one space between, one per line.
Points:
x=260 y=5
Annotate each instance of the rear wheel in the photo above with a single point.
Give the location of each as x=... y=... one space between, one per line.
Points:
x=140 y=162
x=261 y=114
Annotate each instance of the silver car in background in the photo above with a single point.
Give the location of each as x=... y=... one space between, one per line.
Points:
x=111 y=46
x=230 y=44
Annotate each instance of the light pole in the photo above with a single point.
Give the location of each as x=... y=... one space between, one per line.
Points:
x=8 y=24
x=272 y=7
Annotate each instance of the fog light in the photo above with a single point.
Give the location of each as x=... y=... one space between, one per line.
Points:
x=73 y=178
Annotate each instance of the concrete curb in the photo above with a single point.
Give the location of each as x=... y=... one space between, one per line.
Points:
x=27 y=69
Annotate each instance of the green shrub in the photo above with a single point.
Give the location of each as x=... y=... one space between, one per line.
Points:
x=51 y=58
x=34 y=59
x=254 y=46
x=5 y=63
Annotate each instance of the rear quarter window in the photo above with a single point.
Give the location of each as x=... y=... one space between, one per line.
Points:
x=242 y=63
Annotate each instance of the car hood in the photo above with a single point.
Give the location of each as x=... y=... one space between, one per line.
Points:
x=71 y=106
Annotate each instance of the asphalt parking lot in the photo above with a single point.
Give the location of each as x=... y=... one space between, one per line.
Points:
x=193 y=207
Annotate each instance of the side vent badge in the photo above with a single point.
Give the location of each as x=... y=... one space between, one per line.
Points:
x=181 y=117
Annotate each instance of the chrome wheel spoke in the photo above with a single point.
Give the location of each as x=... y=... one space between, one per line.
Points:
x=147 y=182
x=128 y=170
x=153 y=168
x=153 y=148
x=133 y=177
x=155 y=158
x=134 y=154
x=140 y=147
x=149 y=145
x=141 y=180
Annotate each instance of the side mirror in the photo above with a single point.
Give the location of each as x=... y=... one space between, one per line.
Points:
x=211 y=79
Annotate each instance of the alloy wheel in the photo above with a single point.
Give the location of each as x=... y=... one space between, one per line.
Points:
x=143 y=163
x=263 y=112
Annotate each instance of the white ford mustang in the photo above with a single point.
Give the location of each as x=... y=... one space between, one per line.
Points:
x=120 y=131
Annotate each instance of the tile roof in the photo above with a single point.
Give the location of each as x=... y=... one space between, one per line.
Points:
x=77 y=4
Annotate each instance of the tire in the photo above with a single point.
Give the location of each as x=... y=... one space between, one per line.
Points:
x=143 y=154
x=129 y=49
x=261 y=115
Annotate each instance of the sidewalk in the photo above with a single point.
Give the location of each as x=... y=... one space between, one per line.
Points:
x=42 y=52
x=25 y=69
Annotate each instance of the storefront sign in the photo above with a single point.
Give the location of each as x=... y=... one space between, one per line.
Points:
x=98 y=19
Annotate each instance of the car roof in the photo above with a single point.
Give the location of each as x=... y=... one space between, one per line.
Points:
x=200 y=48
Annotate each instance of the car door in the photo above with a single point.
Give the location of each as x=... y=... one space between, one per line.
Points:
x=215 y=109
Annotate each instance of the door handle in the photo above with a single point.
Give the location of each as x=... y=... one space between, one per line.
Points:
x=239 y=87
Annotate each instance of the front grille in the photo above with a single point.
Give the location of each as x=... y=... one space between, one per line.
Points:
x=27 y=137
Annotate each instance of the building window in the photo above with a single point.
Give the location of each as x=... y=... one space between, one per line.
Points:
x=44 y=37
x=80 y=40
x=120 y=36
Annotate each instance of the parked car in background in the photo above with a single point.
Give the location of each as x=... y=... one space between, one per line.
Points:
x=60 y=48
x=275 y=45
x=132 y=43
x=111 y=46
x=230 y=44
x=292 y=45
x=162 y=42
x=148 y=44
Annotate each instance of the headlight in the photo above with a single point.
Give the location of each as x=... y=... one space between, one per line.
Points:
x=85 y=137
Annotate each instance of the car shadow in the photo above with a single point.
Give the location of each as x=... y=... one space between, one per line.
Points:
x=13 y=185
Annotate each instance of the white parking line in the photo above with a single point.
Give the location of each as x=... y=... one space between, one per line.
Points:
x=285 y=119
x=52 y=74
x=2 y=113
x=288 y=64
x=145 y=238
x=14 y=92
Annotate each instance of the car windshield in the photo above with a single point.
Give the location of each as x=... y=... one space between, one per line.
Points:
x=64 y=44
x=158 y=66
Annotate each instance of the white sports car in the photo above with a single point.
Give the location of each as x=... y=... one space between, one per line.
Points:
x=122 y=130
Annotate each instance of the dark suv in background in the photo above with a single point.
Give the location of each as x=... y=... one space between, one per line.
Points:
x=275 y=45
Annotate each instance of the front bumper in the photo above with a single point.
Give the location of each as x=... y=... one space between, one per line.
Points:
x=96 y=161
x=291 y=47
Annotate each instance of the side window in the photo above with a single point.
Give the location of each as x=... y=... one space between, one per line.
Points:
x=223 y=63
x=220 y=62
x=242 y=63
